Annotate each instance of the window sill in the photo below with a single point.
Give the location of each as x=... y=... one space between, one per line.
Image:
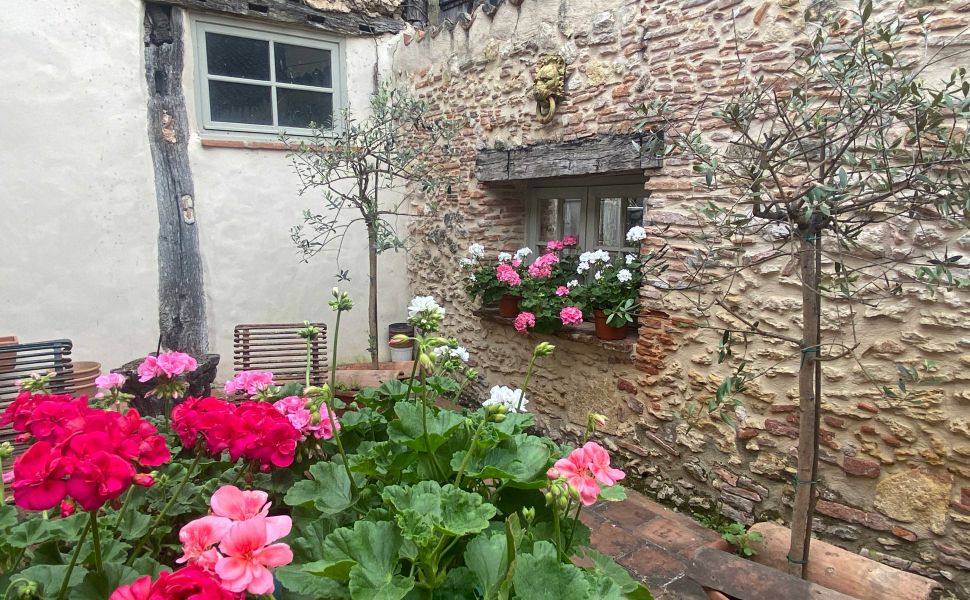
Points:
x=244 y=144
x=581 y=334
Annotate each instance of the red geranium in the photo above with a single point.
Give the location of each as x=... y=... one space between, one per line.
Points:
x=187 y=583
x=89 y=454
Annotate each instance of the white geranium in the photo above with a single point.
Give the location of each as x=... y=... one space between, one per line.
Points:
x=425 y=313
x=636 y=234
x=630 y=258
x=508 y=397
x=598 y=275
x=582 y=267
x=624 y=275
x=477 y=250
x=573 y=283
x=459 y=353
x=467 y=262
x=504 y=257
x=521 y=253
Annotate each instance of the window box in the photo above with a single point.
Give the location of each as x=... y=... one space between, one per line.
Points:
x=582 y=334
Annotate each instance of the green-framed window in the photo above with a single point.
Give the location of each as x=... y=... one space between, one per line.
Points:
x=264 y=80
x=598 y=215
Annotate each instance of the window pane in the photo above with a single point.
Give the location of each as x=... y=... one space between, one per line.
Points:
x=611 y=221
x=572 y=219
x=240 y=103
x=297 y=108
x=634 y=214
x=548 y=211
x=236 y=56
x=306 y=66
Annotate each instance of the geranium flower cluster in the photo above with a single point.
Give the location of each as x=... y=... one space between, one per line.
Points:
x=512 y=399
x=507 y=274
x=541 y=268
x=425 y=313
x=187 y=583
x=251 y=430
x=86 y=454
x=167 y=369
x=236 y=542
x=227 y=553
x=249 y=383
x=583 y=471
x=310 y=418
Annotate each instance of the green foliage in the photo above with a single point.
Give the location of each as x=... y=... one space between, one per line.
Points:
x=740 y=538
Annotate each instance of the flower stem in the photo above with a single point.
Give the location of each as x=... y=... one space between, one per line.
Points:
x=569 y=540
x=424 y=428
x=309 y=357
x=555 y=531
x=96 y=540
x=330 y=413
x=414 y=370
x=165 y=509
x=70 y=566
x=471 y=449
x=124 y=508
x=525 y=384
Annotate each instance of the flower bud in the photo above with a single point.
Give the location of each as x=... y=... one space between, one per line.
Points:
x=471 y=374
x=529 y=514
x=563 y=502
x=27 y=589
x=311 y=390
x=597 y=419
x=553 y=473
x=6 y=450
x=549 y=498
x=144 y=479
x=67 y=508
x=498 y=418
x=399 y=339
x=544 y=349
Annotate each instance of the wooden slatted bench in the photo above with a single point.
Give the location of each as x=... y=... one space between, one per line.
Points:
x=18 y=361
x=280 y=349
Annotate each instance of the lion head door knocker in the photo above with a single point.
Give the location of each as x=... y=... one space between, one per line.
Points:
x=549 y=86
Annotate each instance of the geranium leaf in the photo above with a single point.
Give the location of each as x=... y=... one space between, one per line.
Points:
x=367 y=557
x=522 y=459
x=613 y=493
x=409 y=429
x=328 y=491
x=96 y=586
x=298 y=581
x=487 y=559
x=33 y=531
x=8 y=516
x=134 y=525
x=49 y=578
x=427 y=510
x=381 y=459
x=540 y=576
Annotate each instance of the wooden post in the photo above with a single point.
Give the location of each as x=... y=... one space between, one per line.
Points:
x=181 y=296
x=809 y=389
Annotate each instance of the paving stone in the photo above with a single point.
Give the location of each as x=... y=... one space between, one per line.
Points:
x=671 y=536
x=614 y=541
x=653 y=566
x=629 y=514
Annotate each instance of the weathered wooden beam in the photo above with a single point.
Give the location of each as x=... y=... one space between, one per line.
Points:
x=181 y=295
x=587 y=156
x=298 y=14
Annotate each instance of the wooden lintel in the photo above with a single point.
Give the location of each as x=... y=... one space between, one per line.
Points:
x=298 y=14
x=586 y=156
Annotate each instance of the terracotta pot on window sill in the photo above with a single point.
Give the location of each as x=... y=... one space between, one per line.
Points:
x=508 y=306
x=604 y=331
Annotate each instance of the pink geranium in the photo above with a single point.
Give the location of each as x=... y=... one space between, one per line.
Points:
x=569 y=241
x=110 y=381
x=238 y=505
x=524 y=321
x=584 y=469
x=542 y=267
x=198 y=539
x=508 y=275
x=554 y=246
x=247 y=553
x=167 y=364
x=571 y=315
x=249 y=382
x=562 y=291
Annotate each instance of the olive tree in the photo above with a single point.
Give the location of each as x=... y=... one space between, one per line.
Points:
x=806 y=168
x=365 y=172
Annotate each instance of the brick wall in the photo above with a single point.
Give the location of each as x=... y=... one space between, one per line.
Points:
x=895 y=477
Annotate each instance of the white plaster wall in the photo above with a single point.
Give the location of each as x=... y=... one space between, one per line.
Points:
x=247 y=200
x=79 y=222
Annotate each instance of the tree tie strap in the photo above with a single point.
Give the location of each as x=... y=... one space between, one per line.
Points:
x=796 y=562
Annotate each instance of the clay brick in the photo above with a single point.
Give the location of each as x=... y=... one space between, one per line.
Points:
x=868 y=429
x=842 y=512
x=868 y=407
x=778 y=428
x=626 y=385
x=906 y=534
x=750 y=495
x=747 y=433
x=862 y=467
x=835 y=422
x=730 y=477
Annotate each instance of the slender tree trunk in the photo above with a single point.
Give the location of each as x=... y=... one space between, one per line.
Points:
x=808 y=392
x=372 y=303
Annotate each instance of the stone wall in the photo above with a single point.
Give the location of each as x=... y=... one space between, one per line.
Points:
x=895 y=476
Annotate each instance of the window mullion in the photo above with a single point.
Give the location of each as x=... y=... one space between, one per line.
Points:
x=272 y=78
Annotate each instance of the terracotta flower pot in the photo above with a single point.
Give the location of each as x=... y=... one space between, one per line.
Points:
x=508 y=306
x=604 y=331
